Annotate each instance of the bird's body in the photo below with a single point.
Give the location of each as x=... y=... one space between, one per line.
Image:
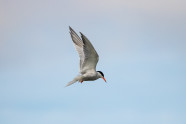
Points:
x=90 y=76
x=88 y=59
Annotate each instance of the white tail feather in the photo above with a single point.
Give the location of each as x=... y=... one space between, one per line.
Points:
x=70 y=83
x=78 y=78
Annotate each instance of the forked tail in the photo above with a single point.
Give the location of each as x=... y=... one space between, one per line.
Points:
x=78 y=78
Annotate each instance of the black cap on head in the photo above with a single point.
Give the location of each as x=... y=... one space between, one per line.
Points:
x=101 y=73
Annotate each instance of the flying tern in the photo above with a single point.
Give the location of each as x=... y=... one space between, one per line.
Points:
x=88 y=59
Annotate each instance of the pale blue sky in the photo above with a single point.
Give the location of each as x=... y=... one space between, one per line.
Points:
x=142 y=49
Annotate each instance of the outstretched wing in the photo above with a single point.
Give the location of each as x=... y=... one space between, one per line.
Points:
x=87 y=54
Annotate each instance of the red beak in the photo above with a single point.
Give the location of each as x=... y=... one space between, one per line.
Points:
x=104 y=79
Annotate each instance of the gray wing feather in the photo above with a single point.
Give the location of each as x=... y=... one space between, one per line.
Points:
x=87 y=53
x=91 y=56
x=78 y=43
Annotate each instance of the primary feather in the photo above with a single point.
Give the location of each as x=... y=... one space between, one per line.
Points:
x=87 y=54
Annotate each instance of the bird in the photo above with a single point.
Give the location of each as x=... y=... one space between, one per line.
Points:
x=88 y=59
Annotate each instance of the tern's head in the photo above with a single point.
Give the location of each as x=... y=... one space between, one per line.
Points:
x=101 y=75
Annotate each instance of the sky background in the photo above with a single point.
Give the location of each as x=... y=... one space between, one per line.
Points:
x=142 y=49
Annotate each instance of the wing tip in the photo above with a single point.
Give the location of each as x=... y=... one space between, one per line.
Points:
x=81 y=34
x=72 y=31
x=70 y=28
